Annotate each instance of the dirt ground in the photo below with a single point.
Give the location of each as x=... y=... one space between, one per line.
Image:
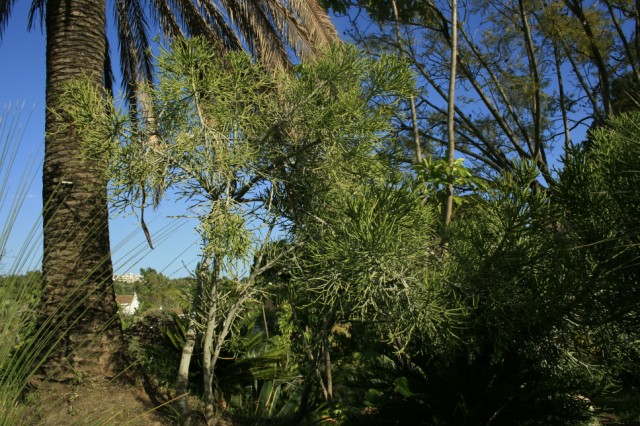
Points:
x=93 y=403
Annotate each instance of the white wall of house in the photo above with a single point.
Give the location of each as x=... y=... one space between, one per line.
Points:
x=131 y=307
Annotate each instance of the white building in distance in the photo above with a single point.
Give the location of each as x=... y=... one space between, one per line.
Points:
x=127 y=278
x=128 y=304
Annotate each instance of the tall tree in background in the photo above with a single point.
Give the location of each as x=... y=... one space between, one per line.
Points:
x=78 y=306
x=451 y=104
x=532 y=75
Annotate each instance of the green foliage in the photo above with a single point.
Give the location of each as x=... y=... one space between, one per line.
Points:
x=254 y=376
x=155 y=343
x=509 y=267
x=157 y=292
x=600 y=198
x=218 y=127
x=340 y=109
x=368 y=250
x=18 y=296
x=260 y=382
x=434 y=176
x=504 y=351
x=518 y=312
x=244 y=148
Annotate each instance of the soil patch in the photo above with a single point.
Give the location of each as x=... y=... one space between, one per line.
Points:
x=93 y=403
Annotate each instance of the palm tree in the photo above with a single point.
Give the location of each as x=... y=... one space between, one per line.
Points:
x=78 y=305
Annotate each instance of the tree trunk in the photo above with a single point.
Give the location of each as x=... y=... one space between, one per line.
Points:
x=182 y=382
x=207 y=363
x=78 y=306
x=412 y=101
x=451 y=148
x=327 y=366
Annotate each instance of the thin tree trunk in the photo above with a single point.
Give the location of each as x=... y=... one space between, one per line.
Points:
x=500 y=118
x=78 y=306
x=264 y=321
x=324 y=356
x=451 y=148
x=563 y=100
x=182 y=382
x=207 y=349
x=492 y=153
x=583 y=82
x=577 y=8
x=631 y=56
x=416 y=130
x=536 y=99
x=412 y=101
x=327 y=366
x=213 y=344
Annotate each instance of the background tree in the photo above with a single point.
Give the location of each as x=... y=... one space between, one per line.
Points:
x=531 y=75
x=157 y=292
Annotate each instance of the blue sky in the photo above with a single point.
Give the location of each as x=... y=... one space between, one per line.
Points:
x=22 y=85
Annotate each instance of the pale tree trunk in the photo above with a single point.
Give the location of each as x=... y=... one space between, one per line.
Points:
x=220 y=319
x=412 y=100
x=563 y=100
x=416 y=130
x=78 y=306
x=451 y=148
x=208 y=364
x=218 y=328
x=182 y=383
x=327 y=366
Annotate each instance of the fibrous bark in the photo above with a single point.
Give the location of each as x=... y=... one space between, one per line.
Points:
x=79 y=310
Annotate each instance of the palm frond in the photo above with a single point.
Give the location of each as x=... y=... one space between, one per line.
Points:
x=259 y=33
x=107 y=70
x=5 y=12
x=316 y=18
x=304 y=24
x=195 y=22
x=162 y=13
x=266 y=28
x=37 y=6
x=180 y=18
x=216 y=17
x=135 y=62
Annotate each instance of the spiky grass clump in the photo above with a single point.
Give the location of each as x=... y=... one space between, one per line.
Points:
x=19 y=292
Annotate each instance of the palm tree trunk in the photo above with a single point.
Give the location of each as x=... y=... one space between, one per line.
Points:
x=78 y=306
